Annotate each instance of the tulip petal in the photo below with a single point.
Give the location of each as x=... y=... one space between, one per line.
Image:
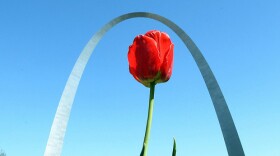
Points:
x=163 y=42
x=132 y=61
x=144 y=60
x=167 y=65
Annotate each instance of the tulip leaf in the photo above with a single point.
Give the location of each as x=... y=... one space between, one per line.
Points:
x=174 y=148
x=143 y=149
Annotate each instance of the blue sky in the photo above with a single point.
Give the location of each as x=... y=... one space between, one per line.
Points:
x=40 y=42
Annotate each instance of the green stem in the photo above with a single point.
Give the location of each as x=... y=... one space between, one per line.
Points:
x=149 y=120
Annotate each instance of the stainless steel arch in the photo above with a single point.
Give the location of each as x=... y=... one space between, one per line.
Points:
x=57 y=133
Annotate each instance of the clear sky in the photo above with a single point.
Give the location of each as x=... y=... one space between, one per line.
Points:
x=41 y=40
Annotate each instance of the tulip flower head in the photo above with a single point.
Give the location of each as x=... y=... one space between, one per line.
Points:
x=150 y=57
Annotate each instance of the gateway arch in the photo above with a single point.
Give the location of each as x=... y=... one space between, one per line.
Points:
x=58 y=129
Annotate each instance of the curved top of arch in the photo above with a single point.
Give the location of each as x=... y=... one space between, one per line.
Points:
x=58 y=129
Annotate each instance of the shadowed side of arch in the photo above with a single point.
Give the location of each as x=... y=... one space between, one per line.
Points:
x=58 y=129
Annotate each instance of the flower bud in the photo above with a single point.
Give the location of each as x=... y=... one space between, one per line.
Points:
x=150 y=57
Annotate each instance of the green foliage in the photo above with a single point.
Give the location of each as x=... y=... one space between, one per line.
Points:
x=174 y=148
x=142 y=152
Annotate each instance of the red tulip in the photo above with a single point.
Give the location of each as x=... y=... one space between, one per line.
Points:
x=150 y=57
